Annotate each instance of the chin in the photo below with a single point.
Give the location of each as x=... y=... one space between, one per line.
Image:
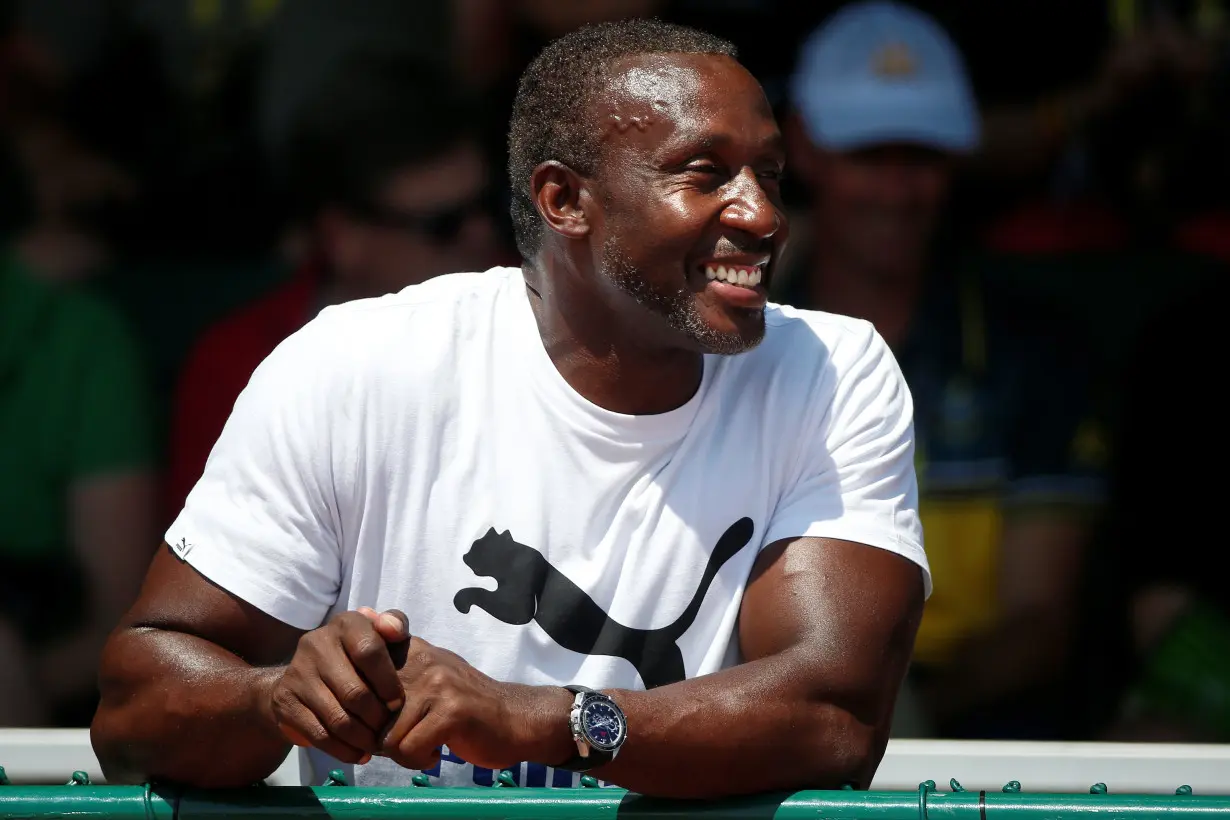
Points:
x=737 y=332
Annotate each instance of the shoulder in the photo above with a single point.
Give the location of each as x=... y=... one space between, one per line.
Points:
x=815 y=368
x=434 y=316
x=423 y=327
x=819 y=343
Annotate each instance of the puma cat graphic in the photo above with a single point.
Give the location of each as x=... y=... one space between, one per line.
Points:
x=530 y=589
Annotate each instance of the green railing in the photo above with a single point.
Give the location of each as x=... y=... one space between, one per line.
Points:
x=79 y=800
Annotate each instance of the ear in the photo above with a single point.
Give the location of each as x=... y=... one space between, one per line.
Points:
x=558 y=193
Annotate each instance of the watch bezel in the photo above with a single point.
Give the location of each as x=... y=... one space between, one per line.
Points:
x=592 y=699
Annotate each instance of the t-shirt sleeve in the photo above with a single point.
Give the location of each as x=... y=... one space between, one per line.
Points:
x=262 y=520
x=111 y=430
x=856 y=480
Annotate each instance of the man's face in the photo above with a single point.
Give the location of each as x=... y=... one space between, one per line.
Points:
x=688 y=220
x=428 y=220
x=880 y=205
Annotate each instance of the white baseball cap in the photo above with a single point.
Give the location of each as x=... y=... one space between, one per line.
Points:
x=879 y=72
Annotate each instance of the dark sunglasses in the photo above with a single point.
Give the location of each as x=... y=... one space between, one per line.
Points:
x=441 y=227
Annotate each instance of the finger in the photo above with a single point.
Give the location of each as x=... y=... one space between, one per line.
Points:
x=300 y=725
x=339 y=725
x=406 y=719
x=374 y=687
x=419 y=748
x=291 y=734
x=393 y=625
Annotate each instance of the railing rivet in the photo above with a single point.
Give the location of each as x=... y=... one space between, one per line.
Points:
x=79 y=779
x=4 y=778
x=505 y=779
x=955 y=786
x=1182 y=790
x=420 y=780
x=589 y=781
x=1097 y=788
x=336 y=778
x=1012 y=787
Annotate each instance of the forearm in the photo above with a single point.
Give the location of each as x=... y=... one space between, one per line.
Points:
x=751 y=728
x=181 y=709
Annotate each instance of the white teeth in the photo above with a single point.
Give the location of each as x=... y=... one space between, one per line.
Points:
x=746 y=276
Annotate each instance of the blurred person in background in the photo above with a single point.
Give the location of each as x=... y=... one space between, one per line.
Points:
x=76 y=484
x=882 y=112
x=389 y=188
x=77 y=496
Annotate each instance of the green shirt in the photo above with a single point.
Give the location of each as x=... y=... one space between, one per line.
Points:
x=73 y=405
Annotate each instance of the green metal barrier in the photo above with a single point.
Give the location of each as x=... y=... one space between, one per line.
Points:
x=79 y=800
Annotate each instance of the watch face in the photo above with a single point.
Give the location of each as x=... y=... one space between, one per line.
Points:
x=603 y=725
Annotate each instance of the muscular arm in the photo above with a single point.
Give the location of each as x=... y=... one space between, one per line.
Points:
x=827 y=628
x=185 y=681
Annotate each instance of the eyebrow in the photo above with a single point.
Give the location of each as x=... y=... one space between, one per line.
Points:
x=775 y=144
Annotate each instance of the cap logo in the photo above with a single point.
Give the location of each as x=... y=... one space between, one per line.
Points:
x=894 y=60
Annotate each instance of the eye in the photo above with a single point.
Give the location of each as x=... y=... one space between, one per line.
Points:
x=704 y=166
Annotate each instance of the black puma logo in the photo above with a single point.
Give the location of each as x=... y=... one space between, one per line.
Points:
x=530 y=589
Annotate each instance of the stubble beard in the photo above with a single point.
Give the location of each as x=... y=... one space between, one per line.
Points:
x=677 y=307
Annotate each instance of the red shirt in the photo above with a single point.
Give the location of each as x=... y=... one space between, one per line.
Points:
x=217 y=371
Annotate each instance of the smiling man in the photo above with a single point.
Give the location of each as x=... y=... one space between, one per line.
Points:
x=638 y=521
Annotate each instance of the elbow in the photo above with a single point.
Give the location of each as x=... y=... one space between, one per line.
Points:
x=107 y=740
x=838 y=749
x=111 y=730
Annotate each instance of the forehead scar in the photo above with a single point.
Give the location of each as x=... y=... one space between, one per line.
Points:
x=623 y=123
x=654 y=92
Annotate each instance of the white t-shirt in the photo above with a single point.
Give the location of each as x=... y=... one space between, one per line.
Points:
x=420 y=451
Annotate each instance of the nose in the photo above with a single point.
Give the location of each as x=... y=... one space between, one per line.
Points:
x=749 y=208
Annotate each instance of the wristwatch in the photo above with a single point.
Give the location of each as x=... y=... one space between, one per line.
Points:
x=599 y=729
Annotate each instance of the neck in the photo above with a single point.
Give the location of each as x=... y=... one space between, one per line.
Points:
x=605 y=361
x=839 y=284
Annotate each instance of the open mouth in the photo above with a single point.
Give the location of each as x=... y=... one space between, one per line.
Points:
x=738 y=286
x=744 y=276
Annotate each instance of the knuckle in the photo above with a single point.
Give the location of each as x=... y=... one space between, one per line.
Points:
x=283 y=698
x=353 y=694
x=317 y=734
x=339 y=721
x=367 y=647
x=309 y=643
x=438 y=679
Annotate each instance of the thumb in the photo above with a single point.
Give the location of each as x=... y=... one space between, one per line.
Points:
x=393 y=625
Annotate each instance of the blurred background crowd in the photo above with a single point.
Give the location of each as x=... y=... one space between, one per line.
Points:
x=1027 y=197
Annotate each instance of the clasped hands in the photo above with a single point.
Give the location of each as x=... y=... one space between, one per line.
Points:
x=362 y=686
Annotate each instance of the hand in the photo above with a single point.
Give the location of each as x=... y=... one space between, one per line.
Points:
x=485 y=722
x=341 y=690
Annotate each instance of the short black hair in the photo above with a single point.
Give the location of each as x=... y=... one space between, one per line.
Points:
x=378 y=113
x=550 y=120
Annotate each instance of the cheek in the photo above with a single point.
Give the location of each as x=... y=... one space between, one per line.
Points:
x=657 y=230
